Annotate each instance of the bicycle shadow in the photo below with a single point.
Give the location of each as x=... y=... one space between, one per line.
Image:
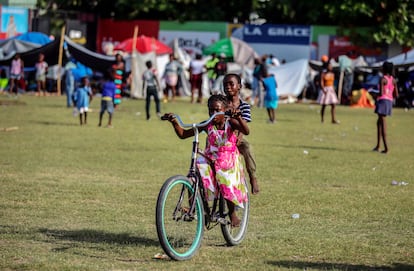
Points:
x=339 y=266
x=95 y=236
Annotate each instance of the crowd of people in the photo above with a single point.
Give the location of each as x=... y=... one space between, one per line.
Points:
x=263 y=85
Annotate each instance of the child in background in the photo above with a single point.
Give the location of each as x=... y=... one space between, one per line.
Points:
x=383 y=105
x=108 y=96
x=81 y=98
x=232 y=86
x=270 y=98
x=41 y=67
x=221 y=147
x=149 y=78
x=327 y=94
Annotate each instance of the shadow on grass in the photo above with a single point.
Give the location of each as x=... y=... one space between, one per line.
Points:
x=339 y=266
x=94 y=236
x=55 y=123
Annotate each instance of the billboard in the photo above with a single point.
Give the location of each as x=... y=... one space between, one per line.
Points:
x=286 y=42
x=14 y=21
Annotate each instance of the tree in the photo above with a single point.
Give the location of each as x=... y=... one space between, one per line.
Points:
x=390 y=20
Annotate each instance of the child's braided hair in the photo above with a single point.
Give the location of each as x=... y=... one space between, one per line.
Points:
x=218 y=98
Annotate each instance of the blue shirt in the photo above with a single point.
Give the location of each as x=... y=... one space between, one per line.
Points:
x=108 y=89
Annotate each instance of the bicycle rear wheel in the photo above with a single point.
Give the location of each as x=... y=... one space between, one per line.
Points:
x=180 y=235
x=234 y=235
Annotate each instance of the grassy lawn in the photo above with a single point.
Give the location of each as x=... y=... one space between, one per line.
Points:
x=83 y=198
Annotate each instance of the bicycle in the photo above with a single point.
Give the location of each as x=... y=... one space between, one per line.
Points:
x=183 y=211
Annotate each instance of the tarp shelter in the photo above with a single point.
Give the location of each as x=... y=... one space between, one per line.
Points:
x=143 y=45
x=402 y=60
x=240 y=52
x=9 y=47
x=30 y=57
x=34 y=37
x=291 y=77
x=95 y=61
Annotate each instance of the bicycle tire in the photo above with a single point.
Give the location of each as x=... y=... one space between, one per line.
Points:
x=235 y=235
x=179 y=238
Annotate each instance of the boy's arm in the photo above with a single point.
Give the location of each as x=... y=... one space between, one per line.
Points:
x=238 y=123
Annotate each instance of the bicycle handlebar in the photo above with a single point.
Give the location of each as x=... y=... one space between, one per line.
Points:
x=197 y=125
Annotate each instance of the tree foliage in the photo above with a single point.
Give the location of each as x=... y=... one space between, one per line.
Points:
x=391 y=20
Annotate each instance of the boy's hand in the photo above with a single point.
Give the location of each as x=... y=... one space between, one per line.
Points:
x=233 y=113
x=168 y=116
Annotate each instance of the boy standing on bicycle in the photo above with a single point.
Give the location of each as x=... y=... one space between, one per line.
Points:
x=232 y=85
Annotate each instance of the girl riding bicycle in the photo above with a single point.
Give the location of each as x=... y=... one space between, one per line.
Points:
x=221 y=149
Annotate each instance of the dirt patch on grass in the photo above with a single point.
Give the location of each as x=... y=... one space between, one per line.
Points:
x=11 y=102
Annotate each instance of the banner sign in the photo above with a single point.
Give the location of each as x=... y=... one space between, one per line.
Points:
x=14 y=21
x=191 y=41
x=277 y=34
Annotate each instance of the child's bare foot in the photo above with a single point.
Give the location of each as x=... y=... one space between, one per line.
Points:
x=375 y=149
x=384 y=151
x=255 y=186
x=235 y=221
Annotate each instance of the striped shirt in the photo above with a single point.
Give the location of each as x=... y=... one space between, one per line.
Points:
x=245 y=110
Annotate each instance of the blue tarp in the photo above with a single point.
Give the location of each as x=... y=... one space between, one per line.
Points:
x=34 y=37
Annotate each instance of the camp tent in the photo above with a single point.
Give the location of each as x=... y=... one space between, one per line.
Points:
x=9 y=47
x=291 y=77
x=143 y=45
x=239 y=51
x=402 y=60
x=34 y=37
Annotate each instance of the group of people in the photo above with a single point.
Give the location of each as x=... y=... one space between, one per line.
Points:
x=17 y=77
x=388 y=91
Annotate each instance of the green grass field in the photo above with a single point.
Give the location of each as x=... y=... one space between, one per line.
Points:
x=83 y=198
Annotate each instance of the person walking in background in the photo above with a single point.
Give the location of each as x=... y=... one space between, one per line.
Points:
x=383 y=105
x=196 y=77
x=69 y=81
x=259 y=71
x=220 y=69
x=221 y=147
x=327 y=94
x=16 y=73
x=150 y=80
x=172 y=71
x=270 y=98
x=108 y=96
x=41 y=67
x=210 y=67
x=347 y=71
x=232 y=86
x=119 y=68
x=81 y=99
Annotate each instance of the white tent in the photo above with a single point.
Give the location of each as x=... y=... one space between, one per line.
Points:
x=291 y=77
x=403 y=59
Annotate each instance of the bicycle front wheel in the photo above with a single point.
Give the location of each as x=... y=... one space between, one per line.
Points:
x=180 y=233
x=234 y=235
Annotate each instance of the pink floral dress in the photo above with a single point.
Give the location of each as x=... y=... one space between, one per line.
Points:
x=221 y=148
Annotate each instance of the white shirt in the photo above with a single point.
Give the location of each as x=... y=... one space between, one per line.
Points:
x=197 y=66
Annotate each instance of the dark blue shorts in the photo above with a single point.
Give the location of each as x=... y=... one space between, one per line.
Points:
x=383 y=107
